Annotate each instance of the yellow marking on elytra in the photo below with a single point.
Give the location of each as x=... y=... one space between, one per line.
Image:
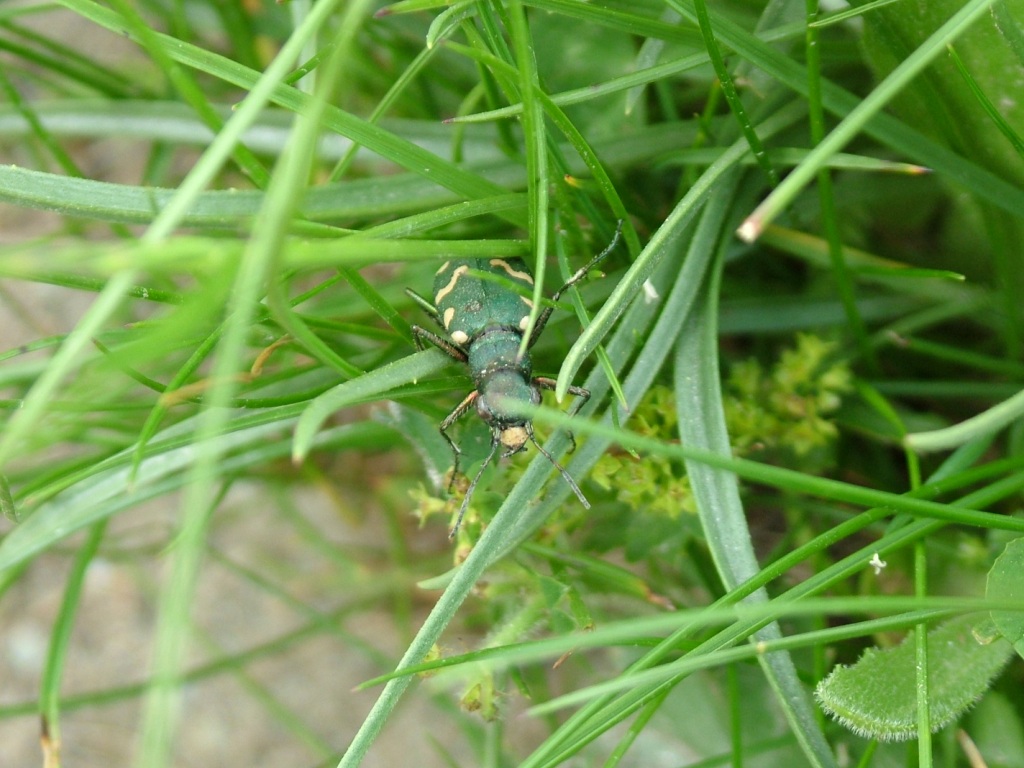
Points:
x=443 y=268
x=527 y=302
x=460 y=337
x=449 y=315
x=459 y=272
x=524 y=323
x=514 y=274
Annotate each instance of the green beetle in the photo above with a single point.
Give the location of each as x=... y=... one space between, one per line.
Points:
x=485 y=321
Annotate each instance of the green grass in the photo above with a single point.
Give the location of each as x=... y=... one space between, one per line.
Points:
x=805 y=357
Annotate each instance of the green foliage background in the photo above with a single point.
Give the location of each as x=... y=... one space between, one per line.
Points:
x=804 y=439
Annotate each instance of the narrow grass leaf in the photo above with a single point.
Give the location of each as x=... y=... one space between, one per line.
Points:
x=111 y=487
x=728 y=87
x=859 y=116
x=990 y=109
x=992 y=420
x=624 y=21
x=366 y=388
x=60 y=636
x=64 y=363
x=716 y=492
x=886 y=129
x=662 y=243
x=850 y=13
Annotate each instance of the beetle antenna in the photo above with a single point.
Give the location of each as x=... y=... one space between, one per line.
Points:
x=565 y=475
x=472 y=487
x=579 y=274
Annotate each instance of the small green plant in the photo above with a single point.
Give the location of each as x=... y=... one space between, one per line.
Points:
x=782 y=413
x=786 y=410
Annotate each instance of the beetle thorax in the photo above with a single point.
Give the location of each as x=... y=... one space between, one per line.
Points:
x=496 y=351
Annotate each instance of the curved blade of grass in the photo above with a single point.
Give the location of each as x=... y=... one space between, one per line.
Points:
x=536 y=140
x=624 y=21
x=60 y=637
x=384 y=197
x=64 y=362
x=373 y=137
x=728 y=87
x=716 y=492
x=849 y=13
x=662 y=243
x=990 y=109
x=204 y=256
x=175 y=123
x=510 y=525
x=449 y=20
x=886 y=129
x=992 y=420
x=258 y=263
x=410 y=6
x=109 y=488
x=366 y=388
x=859 y=116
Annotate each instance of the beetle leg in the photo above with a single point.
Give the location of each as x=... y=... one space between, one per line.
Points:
x=582 y=395
x=472 y=487
x=539 y=327
x=421 y=335
x=562 y=470
x=450 y=419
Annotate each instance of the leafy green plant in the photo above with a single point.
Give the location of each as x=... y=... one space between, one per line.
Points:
x=803 y=444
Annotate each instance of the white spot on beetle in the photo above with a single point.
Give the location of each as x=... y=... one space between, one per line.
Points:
x=524 y=322
x=527 y=302
x=460 y=337
x=449 y=315
x=443 y=268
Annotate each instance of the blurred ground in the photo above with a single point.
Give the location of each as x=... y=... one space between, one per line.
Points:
x=237 y=717
x=234 y=717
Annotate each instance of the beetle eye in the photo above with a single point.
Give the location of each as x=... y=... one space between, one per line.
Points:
x=483 y=410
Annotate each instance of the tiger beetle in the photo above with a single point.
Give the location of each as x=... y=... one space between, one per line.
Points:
x=485 y=321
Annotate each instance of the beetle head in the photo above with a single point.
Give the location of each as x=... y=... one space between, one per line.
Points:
x=496 y=405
